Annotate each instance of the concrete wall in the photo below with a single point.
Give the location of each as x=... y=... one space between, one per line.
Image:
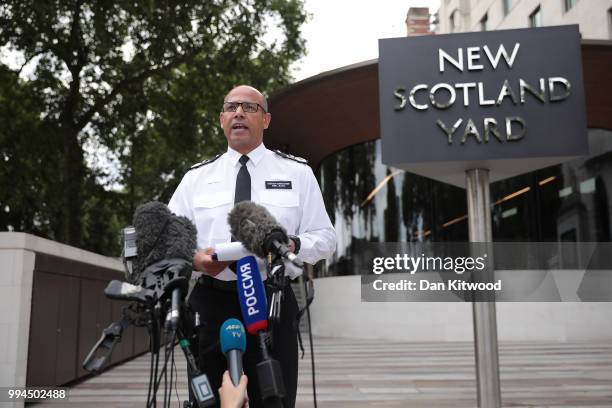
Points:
x=591 y=15
x=17 y=261
x=337 y=311
x=16 y=273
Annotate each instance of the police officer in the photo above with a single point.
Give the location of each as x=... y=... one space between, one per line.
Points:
x=286 y=186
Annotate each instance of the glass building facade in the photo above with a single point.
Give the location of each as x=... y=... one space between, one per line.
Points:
x=370 y=202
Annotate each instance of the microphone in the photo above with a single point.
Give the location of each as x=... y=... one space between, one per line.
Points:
x=233 y=344
x=125 y=291
x=253 y=305
x=259 y=232
x=158 y=255
x=165 y=244
x=231 y=251
x=161 y=235
x=251 y=295
x=129 y=253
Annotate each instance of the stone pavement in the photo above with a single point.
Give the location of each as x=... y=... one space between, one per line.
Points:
x=391 y=374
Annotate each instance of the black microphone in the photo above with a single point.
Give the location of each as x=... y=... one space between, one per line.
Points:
x=161 y=235
x=158 y=254
x=259 y=232
x=125 y=291
x=165 y=244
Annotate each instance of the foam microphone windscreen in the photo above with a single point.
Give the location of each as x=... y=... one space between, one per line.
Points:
x=252 y=224
x=181 y=238
x=161 y=235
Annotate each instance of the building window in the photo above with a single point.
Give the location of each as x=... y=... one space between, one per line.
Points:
x=535 y=18
x=569 y=4
x=369 y=202
x=483 y=22
x=507 y=6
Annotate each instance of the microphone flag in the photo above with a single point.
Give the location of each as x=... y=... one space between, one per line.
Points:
x=251 y=295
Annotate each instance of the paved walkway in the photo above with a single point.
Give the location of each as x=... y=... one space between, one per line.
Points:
x=382 y=374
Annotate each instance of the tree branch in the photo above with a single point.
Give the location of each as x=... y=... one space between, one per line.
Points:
x=28 y=60
x=75 y=67
x=74 y=40
x=121 y=85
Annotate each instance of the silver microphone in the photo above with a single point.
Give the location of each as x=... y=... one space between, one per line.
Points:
x=130 y=252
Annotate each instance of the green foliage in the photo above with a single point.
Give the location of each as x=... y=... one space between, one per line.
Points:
x=28 y=160
x=141 y=82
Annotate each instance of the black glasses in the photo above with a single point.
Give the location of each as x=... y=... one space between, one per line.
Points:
x=249 y=107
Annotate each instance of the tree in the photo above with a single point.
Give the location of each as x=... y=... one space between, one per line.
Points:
x=27 y=197
x=141 y=80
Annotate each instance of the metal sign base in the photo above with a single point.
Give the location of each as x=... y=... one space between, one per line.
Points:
x=484 y=314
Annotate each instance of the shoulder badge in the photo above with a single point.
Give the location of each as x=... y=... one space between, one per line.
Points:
x=205 y=162
x=291 y=157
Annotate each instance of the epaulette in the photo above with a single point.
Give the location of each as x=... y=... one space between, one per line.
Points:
x=205 y=162
x=291 y=157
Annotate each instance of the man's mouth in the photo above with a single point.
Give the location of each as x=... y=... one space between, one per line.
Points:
x=239 y=126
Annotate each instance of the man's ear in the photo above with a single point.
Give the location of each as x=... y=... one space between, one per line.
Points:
x=267 y=119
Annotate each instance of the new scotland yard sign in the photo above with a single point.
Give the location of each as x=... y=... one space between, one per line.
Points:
x=511 y=101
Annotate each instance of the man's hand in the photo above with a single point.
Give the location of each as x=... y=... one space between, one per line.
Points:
x=202 y=261
x=233 y=397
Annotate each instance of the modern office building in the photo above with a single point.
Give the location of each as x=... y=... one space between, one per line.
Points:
x=371 y=202
x=332 y=119
x=593 y=16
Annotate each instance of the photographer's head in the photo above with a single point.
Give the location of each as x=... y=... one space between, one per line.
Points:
x=244 y=117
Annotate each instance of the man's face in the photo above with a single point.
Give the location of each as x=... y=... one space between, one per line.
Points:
x=244 y=130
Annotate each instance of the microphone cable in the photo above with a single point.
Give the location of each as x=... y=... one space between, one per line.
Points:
x=312 y=360
x=152 y=394
x=163 y=373
x=175 y=378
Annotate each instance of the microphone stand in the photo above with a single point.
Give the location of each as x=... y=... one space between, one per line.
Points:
x=269 y=372
x=278 y=281
x=160 y=297
x=133 y=314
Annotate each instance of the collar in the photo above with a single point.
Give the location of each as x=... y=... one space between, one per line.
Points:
x=255 y=155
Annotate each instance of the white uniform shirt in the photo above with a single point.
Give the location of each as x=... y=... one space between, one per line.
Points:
x=288 y=189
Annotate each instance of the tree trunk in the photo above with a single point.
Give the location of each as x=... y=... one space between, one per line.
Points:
x=72 y=183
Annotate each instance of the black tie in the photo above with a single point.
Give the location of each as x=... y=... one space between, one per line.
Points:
x=243 y=188
x=243 y=182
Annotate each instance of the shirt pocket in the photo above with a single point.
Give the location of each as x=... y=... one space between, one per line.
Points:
x=284 y=206
x=211 y=217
